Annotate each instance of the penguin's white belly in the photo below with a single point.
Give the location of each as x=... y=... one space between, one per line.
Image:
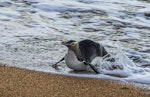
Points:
x=73 y=63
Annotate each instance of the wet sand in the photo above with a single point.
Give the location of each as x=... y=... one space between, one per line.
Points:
x=15 y=82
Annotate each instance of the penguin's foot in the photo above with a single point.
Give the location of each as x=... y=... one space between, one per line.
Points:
x=54 y=65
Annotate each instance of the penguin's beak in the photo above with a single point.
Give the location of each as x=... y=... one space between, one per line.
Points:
x=64 y=43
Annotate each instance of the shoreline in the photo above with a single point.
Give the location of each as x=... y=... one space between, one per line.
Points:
x=21 y=82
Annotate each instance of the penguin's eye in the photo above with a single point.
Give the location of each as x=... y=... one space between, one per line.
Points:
x=73 y=43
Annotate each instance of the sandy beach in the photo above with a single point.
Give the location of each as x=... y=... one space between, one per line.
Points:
x=15 y=82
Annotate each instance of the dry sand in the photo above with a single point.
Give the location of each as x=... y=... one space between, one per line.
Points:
x=15 y=82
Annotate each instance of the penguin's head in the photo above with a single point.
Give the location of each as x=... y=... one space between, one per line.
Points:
x=71 y=44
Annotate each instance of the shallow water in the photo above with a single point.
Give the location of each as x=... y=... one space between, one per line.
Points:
x=31 y=32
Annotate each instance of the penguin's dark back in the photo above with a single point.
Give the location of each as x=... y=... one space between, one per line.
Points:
x=88 y=43
x=89 y=49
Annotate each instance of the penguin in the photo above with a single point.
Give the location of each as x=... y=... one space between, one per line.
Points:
x=80 y=54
